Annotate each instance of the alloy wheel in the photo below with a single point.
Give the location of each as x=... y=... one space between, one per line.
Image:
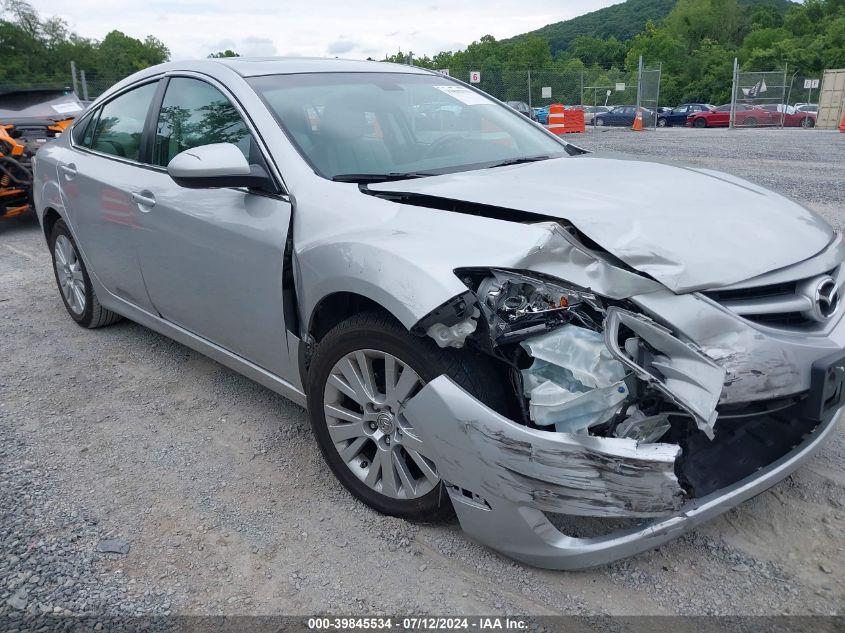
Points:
x=69 y=274
x=364 y=400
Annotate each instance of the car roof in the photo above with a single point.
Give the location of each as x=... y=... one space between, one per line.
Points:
x=257 y=66
x=260 y=66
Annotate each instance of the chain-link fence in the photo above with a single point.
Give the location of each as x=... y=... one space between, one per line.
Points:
x=91 y=86
x=544 y=86
x=648 y=95
x=759 y=98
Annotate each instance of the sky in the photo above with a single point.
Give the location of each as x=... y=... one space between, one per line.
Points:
x=328 y=28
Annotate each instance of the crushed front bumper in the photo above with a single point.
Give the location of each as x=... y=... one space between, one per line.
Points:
x=504 y=477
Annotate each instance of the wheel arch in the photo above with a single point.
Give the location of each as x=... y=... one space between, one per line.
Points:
x=50 y=217
x=336 y=307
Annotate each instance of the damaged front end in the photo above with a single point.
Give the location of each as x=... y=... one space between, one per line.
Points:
x=614 y=416
x=583 y=363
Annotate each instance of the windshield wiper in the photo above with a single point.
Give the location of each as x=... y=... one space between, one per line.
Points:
x=365 y=178
x=518 y=161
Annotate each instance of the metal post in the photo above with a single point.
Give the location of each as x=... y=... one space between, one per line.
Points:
x=788 y=96
x=73 y=76
x=581 y=98
x=733 y=93
x=84 y=85
x=639 y=83
x=657 y=97
x=529 y=87
x=783 y=97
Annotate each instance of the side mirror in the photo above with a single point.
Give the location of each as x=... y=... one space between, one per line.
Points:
x=217 y=165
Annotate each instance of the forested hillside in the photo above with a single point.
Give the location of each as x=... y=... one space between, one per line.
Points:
x=696 y=42
x=622 y=21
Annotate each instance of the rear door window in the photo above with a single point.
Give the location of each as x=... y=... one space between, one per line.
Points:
x=121 y=123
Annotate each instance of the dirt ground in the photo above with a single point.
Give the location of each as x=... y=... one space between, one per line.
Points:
x=218 y=488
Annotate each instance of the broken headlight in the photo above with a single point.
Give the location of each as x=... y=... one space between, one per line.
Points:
x=518 y=306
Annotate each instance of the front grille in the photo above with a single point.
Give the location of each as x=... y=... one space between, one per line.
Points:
x=784 y=319
x=761 y=292
x=782 y=305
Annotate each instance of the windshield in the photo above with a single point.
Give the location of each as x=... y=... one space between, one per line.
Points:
x=367 y=126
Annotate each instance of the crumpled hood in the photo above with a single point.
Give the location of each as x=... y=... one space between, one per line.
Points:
x=690 y=229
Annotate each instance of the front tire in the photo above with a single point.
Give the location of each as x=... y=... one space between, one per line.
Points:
x=662 y=123
x=362 y=374
x=599 y=122
x=74 y=283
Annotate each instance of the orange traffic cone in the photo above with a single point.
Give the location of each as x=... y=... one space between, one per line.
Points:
x=638 y=121
x=842 y=123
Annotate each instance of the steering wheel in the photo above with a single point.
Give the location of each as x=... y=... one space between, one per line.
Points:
x=439 y=146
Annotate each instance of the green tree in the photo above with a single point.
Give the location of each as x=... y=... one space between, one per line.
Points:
x=220 y=55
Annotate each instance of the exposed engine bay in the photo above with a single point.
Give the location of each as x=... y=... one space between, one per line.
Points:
x=582 y=364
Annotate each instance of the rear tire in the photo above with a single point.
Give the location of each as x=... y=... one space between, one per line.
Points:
x=808 y=123
x=750 y=122
x=74 y=283
x=361 y=347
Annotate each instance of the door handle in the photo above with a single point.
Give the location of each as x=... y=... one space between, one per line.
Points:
x=143 y=199
x=68 y=170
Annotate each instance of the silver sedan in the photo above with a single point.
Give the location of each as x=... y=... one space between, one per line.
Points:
x=481 y=318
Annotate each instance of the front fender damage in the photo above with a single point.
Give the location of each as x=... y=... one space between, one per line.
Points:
x=496 y=458
x=598 y=386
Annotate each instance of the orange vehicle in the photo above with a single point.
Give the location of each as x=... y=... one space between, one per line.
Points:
x=28 y=119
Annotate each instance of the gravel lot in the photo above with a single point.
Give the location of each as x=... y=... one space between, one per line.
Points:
x=217 y=488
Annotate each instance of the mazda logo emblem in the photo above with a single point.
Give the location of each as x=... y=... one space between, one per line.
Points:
x=826 y=299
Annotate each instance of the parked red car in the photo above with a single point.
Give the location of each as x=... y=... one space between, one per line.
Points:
x=792 y=117
x=721 y=116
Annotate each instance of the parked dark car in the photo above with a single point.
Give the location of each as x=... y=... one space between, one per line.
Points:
x=522 y=108
x=679 y=114
x=623 y=116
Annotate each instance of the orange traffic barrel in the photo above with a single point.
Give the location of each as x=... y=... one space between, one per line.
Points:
x=557 y=119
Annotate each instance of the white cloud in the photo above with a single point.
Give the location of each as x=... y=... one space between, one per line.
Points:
x=195 y=28
x=256 y=47
x=340 y=47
